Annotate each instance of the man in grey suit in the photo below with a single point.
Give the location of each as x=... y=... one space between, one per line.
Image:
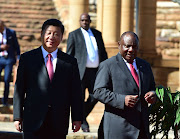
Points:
x=125 y=84
x=86 y=44
x=47 y=87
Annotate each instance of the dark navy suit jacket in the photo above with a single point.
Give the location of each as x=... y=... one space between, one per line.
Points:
x=34 y=91
x=14 y=49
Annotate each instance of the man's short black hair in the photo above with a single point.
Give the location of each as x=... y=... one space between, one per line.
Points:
x=130 y=32
x=53 y=22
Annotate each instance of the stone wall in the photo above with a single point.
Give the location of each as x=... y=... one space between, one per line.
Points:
x=168 y=27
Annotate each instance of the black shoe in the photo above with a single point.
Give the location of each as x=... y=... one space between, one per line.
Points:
x=86 y=130
x=5 y=104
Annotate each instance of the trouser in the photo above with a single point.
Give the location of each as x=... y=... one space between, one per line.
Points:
x=88 y=82
x=7 y=66
x=46 y=130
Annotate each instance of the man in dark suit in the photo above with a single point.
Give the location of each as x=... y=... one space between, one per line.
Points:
x=47 y=87
x=86 y=44
x=9 y=55
x=125 y=84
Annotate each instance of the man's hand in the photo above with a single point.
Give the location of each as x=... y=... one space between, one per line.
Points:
x=4 y=47
x=17 y=62
x=150 y=97
x=131 y=100
x=18 y=125
x=76 y=126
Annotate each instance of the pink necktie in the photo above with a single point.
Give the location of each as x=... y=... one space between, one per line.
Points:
x=134 y=74
x=49 y=66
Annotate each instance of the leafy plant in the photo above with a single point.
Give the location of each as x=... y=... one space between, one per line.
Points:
x=165 y=113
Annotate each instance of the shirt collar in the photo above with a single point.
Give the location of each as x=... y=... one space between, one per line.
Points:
x=4 y=31
x=85 y=31
x=45 y=53
x=134 y=61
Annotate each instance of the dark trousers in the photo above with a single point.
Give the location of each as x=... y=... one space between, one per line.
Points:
x=7 y=66
x=46 y=130
x=142 y=133
x=88 y=82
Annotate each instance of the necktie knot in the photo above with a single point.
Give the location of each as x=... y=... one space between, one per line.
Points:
x=49 y=66
x=49 y=56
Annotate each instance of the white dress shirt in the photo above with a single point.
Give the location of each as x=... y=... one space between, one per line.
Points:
x=4 y=38
x=53 y=58
x=89 y=63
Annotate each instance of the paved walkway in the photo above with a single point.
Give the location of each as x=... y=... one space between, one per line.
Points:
x=9 y=126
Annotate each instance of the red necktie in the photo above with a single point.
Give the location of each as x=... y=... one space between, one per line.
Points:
x=49 y=66
x=134 y=74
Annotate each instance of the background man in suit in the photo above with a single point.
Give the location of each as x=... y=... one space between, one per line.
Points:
x=86 y=44
x=125 y=84
x=9 y=55
x=47 y=85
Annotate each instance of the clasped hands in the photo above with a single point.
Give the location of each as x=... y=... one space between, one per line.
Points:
x=131 y=100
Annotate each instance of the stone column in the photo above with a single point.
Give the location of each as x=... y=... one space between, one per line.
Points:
x=99 y=21
x=147 y=28
x=127 y=15
x=76 y=8
x=108 y=22
x=111 y=20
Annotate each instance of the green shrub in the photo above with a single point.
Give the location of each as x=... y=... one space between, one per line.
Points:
x=165 y=113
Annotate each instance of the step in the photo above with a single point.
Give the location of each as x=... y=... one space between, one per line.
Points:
x=34 y=16
x=28 y=30
x=94 y=118
x=22 y=20
x=30 y=7
x=17 y=135
x=8 y=131
x=28 y=2
x=26 y=11
x=6 y=117
x=10 y=100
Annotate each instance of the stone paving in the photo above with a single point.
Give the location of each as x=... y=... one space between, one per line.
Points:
x=8 y=131
x=8 y=128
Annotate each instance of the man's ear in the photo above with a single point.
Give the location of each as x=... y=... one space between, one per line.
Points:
x=42 y=35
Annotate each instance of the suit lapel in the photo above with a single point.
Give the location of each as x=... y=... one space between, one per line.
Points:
x=96 y=37
x=59 y=65
x=83 y=45
x=122 y=65
x=40 y=63
x=140 y=73
x=7 y=35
